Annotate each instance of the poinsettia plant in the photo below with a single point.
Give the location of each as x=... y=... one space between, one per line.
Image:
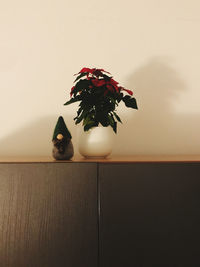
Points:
x=99 y=95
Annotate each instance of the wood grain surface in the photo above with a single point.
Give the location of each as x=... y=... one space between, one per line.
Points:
x=110 y=159
x=48 y=215
x=150 y=215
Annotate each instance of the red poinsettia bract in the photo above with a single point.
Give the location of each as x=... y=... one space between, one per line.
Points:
x=128 y=91
x=109 y=83
x=72 y=89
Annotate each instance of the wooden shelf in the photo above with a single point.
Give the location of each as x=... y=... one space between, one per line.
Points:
x=111 y=159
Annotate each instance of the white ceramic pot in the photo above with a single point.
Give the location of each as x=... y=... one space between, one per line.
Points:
x=97 y=142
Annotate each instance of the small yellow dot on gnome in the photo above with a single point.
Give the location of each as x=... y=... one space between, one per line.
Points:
x=59 y=136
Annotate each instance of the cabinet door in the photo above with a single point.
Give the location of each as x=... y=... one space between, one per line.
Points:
x=150 y=215
x=48 y=215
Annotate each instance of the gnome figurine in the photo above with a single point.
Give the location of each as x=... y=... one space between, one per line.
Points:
x=62 y=144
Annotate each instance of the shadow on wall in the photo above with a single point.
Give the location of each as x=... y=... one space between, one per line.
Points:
x=156 y=128
x=35 y=138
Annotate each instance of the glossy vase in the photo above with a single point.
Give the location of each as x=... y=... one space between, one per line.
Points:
x=97 y=142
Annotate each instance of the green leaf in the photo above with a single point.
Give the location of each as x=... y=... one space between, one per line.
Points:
x=74 y=99
x=111 y=120
x=117 y=117
x=130 y=102
x=80 y=76
x=119 y=97
x=81 y=117
x=113 y=102
x=106 y=77
x=112 y=123
x=115 y=127
x=79 y=111
x=89 y=125
x=87 y=120
x=84 y=105
x=80 y=86
x=78 y=120
x=102 y=117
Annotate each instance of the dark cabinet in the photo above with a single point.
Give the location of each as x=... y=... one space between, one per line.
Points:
x=100 y=214
x=150 y=215
x=48 y=215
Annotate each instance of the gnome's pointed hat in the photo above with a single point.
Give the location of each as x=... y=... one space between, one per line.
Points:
x=61 y=128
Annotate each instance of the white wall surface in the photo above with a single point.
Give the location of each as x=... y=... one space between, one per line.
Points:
x=150 y=46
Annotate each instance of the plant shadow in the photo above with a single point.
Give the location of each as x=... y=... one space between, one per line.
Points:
x=156 y=127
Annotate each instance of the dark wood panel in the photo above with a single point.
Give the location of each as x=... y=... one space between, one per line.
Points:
x=48 y=215
x=150 y=215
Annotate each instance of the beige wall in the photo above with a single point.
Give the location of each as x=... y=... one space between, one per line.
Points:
x=150 y=46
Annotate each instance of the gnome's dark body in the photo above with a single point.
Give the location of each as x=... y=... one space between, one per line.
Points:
x=62 y=144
